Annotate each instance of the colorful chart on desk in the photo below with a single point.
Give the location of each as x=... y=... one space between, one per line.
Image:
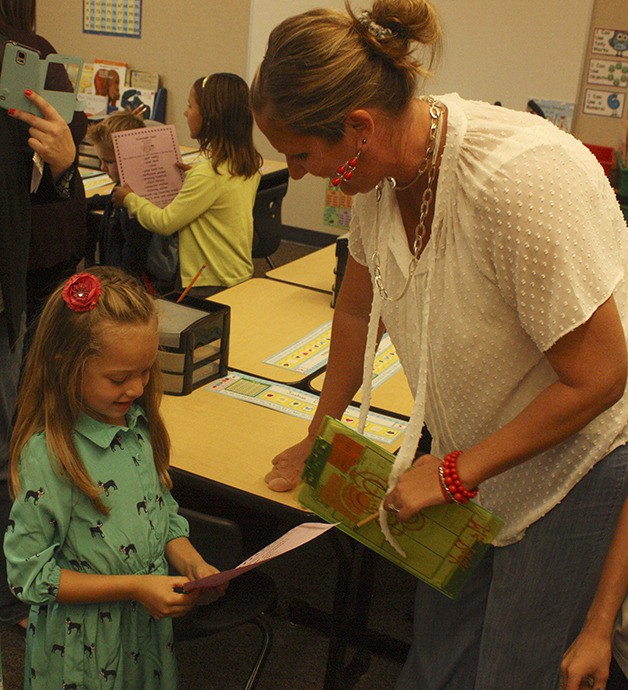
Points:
x=310 y=354
x=96 y=181
x=276 y=396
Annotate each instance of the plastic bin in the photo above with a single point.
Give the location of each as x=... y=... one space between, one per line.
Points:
x=193 y=342
x=605 y=155
x=622 y=176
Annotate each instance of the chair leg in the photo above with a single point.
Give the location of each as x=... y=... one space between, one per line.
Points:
x=270 y=263
x=267 y=638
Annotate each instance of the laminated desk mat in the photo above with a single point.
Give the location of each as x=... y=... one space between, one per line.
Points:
x=344 y=481
x=297 y=403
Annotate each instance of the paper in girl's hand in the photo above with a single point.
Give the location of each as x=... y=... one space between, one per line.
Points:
x=290 y=540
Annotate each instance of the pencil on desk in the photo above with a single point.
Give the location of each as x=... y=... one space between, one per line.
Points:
x=367 y=519
x=189 y=287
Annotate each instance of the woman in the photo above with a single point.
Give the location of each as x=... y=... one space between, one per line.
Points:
x=491 y=247
x=59 y=226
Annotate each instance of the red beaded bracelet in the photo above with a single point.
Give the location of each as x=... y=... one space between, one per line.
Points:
x=450 y=481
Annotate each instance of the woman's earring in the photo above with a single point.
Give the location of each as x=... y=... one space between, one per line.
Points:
x=346 y=170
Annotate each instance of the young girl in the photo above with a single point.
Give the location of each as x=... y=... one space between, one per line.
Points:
x=213 y=211
x=94 y=526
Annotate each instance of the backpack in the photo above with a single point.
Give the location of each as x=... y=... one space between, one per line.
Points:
x=162 y=260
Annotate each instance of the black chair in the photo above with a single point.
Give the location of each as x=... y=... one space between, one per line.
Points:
x=267 y=214
x=248 y=598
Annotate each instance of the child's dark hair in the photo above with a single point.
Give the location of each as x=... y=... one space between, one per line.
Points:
x=227 y=127
x=50 y=392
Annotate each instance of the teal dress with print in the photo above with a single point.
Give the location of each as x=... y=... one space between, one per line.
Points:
x=53 y=526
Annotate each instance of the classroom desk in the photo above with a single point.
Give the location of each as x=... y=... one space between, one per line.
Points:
x=266 y=317
x=222 y=447
x=230 y=441
x=393 y=395
x=315 y=270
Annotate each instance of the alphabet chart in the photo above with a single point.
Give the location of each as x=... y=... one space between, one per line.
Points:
x=113 y=17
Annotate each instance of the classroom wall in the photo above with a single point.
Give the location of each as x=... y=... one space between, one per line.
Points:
x=506 y=50
x=180 y=41
x=493 y=50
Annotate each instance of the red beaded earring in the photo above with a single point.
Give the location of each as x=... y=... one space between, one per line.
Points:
x=346 y=170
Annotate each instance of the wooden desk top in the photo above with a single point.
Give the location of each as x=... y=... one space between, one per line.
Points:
x=315 y=270
x=393 y=395
x=230 y=441
x=266 y=317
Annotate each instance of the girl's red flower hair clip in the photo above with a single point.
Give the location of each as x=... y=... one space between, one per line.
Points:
x=81 y=292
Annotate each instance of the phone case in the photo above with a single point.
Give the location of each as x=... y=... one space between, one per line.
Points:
x=22 y=68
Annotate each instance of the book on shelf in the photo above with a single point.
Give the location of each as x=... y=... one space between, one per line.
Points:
x=109 y=81
x=144 y=80
x=133 y=98
x=345 y=480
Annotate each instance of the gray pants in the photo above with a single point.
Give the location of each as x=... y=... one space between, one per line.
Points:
x=526 y=602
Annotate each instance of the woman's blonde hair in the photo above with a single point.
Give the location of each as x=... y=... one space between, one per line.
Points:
x=227 y=123
x=50 y=392
x=322 y=64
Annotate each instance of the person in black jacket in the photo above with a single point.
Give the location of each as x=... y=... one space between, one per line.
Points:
x=51 y=139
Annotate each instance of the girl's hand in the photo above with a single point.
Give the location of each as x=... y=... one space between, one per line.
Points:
x=288 y=466
x=156 y=594
x=183 y=166
x=119 y=194
x=589 y=657
x=418 y=488
x=50 y=136
x=207 y=596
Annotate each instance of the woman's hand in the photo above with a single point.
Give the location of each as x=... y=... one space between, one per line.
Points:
x=156 y=594
x=50 y=136
x=417 y=488
x=119 y=194
x=588 y=658
x=288 y=466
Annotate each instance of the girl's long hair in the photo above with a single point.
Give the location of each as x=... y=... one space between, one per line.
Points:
x=227 y=128
x=50 y=392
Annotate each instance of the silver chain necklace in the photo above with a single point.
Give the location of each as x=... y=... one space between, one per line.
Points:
x=420 y=232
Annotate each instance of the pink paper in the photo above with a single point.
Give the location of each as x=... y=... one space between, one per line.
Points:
x=290 y=540
x=147 y=161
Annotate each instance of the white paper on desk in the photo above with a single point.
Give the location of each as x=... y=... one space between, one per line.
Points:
x=147 y=161
x=292 y=539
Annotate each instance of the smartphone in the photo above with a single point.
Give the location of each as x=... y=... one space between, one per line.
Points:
x=55 y=78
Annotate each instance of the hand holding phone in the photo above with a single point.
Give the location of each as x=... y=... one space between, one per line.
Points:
x=56 y=79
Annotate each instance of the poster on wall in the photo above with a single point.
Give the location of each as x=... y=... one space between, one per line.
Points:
x=613 y=73
x=604 y=103
x=612 y=42
x=113 y=17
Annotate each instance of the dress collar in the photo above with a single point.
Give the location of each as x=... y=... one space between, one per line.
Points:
x=101 y=433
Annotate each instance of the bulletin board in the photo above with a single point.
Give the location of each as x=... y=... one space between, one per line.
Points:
x=602 y=111
x=113 y=17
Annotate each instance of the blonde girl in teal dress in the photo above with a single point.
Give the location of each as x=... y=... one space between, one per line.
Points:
x=93 y=527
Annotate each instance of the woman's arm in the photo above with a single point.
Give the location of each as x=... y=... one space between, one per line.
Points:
x=343 y=376
x=590 y=365
x=590 y=653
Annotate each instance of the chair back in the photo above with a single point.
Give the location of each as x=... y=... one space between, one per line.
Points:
x=267 y=219
x=217 y=539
